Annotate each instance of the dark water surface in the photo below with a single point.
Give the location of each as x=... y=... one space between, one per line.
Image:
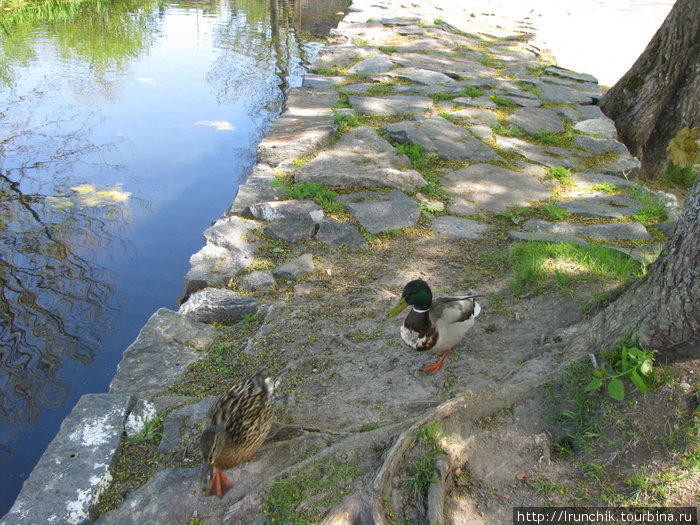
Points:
x=125 y=129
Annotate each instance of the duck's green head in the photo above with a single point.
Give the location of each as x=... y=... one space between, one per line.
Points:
x=416 y=293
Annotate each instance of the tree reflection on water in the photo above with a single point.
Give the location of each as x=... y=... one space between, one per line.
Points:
x=55 y=301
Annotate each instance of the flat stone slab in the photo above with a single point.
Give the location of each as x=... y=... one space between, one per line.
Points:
x=167 y=344
x=307 y=125
x=362 y=158
x=181 y=421
x=577 y=113
x=77 y=465
x=291 y=230
x=476 y=115
x=591 y=179
x=213 y=305
x=562 y=94
x=372 y=66
x=257 y=187
x=421 y=76
x=601 y=127
x=312 y=81
x=378 y=212
x=399 y=105
x=484 y=101
x=438 y=136
x=603 y=205
x=525 y=102
x=545 y=237
x=295 y=268
x=339 y=56
x=536 y=120
x=257 y=280
x=490 y=187
x=615 y=231
x=336 y=234
x=225 y=254
x=287 y=210
x=545 y=155
x=458 y=228
x=567 y=73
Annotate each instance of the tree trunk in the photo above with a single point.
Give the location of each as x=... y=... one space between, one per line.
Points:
x=662 y=308
x=660 y=94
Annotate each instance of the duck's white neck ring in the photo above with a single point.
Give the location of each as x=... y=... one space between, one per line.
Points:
x=420 y=311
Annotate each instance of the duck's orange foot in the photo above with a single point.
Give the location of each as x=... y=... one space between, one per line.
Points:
x=220 y=484
x=431 y=368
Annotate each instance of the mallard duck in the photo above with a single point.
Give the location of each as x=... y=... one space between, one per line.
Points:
x=238 y=423
x=434 y=326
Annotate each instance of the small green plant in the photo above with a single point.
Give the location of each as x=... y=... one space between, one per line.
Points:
x=502 y=101
x=346 y=122
x=631 y=362
x=388 y=49
x=473 y=92
x=561 y=174
x=681 y=177
x=438 y=21
x=381 y=89
x=432 y=434
x=508 y=131
x=552 y=212
x=421 y=475
x=414 y=152
x=515 y=216
x=653 y=210
x=553 y=138
x=318 y=192
x=683 y=148
x=151 y=430
x=606 y=187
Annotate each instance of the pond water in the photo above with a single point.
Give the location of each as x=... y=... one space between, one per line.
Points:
x=125 y=129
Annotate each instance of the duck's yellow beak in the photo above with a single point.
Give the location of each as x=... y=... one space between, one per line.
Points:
x=398 y=308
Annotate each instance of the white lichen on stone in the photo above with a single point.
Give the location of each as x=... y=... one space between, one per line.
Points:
x=77 y=510
x=143 y=413
x=94 y=432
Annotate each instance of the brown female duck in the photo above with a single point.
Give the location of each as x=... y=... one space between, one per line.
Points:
x=238 y=423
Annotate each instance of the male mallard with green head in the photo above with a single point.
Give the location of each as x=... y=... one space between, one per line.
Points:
x=434 y=326
x=238 y=423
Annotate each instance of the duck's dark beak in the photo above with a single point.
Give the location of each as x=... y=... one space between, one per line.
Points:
x=400 y=306
x=205 y=478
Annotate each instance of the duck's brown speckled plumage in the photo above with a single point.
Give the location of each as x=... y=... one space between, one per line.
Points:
x=238 y=423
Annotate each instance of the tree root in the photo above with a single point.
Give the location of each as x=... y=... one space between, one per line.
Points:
x=365 y=505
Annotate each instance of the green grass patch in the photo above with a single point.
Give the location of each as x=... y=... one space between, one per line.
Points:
x=506 y=130
x=305 y=497
x=473 y=92
x=318 y=192
x=561 y=174
x=653 y=210
x=541 y=265
x=681 y=177
x=553 y=213
x=388 y=49
x=384 y=88
x=560 y=140
x=606 y=187
x=502 y=101
x=346 y=122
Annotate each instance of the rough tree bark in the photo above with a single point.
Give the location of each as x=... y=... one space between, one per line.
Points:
x=662 y=308
x=660 y=94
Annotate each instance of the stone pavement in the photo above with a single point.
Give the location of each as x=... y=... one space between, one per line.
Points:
x=503 y=127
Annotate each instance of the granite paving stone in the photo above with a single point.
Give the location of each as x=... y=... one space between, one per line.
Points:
x=362 y=158
x=378 y=212
x=397 y=105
